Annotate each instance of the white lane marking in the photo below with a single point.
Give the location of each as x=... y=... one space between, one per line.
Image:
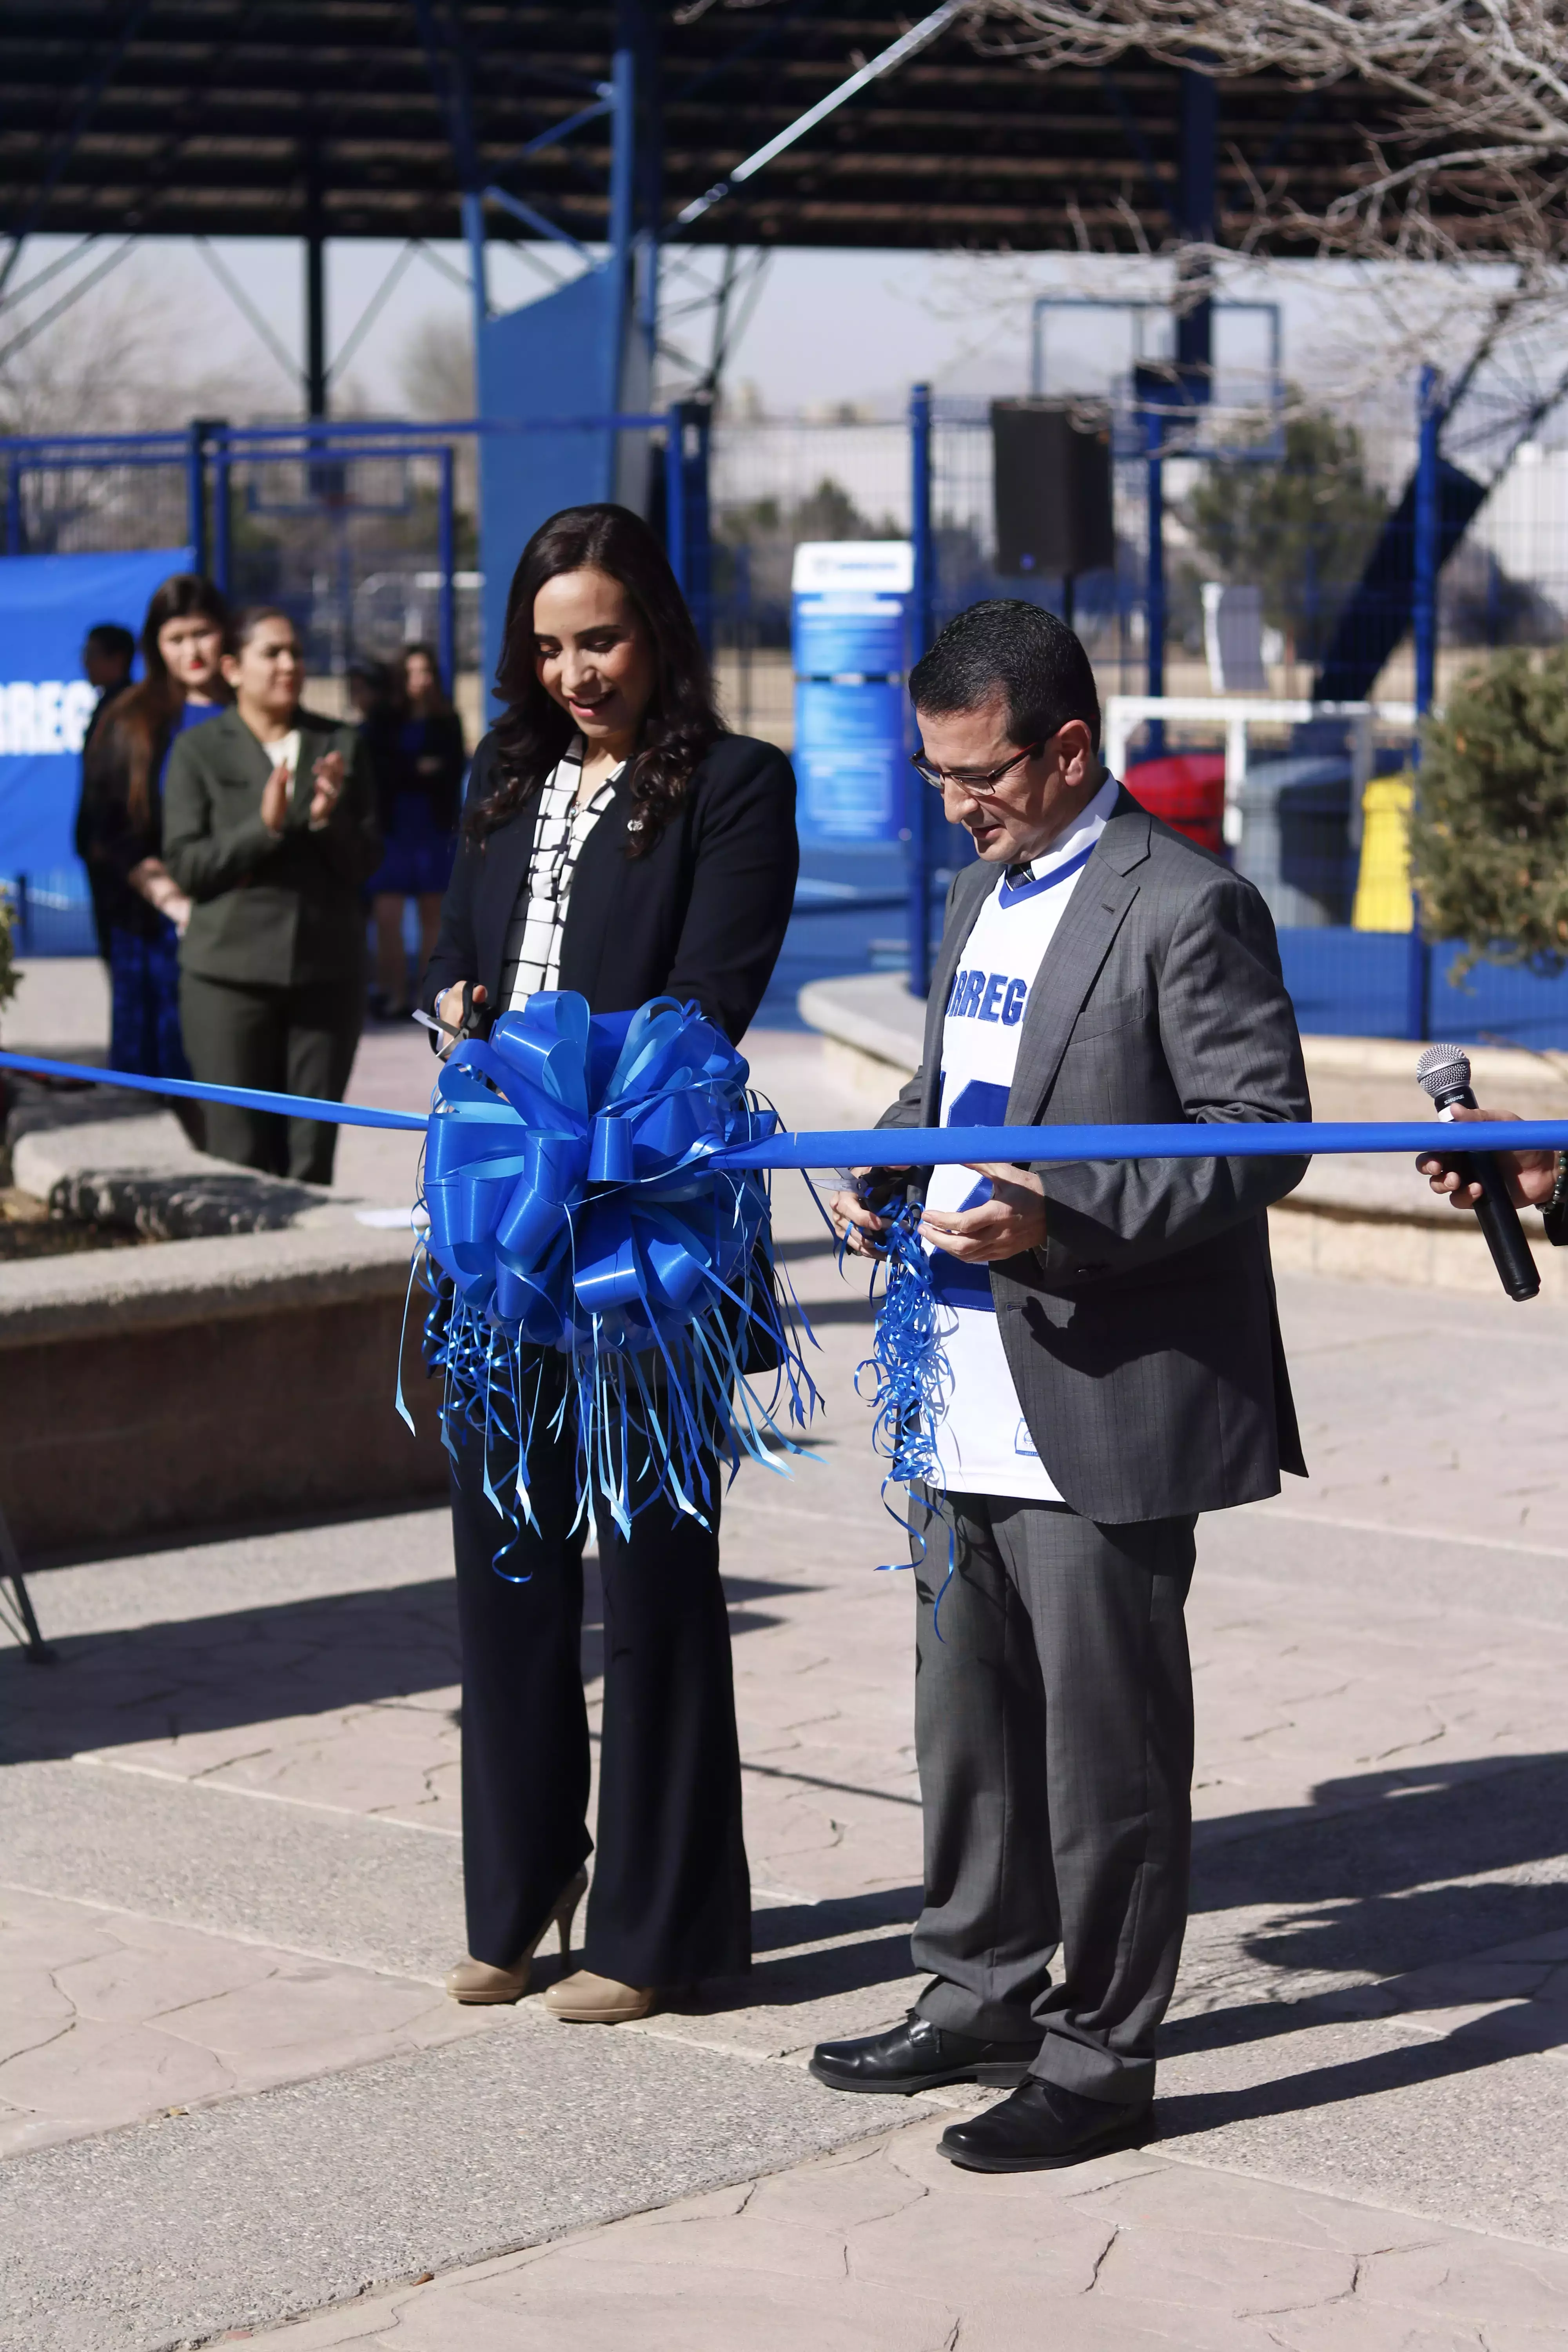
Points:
x=1411 y=1534
x=264 y=1795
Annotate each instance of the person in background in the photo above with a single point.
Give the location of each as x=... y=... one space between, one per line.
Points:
x=1537 y=1179
x=367 y=690
x=269 y=829
x=120 y=830
x=418 y=756
x=107 y=651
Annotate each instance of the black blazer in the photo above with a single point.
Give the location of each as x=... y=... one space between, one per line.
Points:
x=107 y=842
x=702 y=915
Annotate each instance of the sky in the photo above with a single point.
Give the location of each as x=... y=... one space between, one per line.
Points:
x=830 y=328
x=872 y=331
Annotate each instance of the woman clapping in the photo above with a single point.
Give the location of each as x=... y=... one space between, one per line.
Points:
x=269 y=829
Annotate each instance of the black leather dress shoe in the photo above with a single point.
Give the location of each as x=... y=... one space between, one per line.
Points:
x=918 y=2056
x=1042 y=2127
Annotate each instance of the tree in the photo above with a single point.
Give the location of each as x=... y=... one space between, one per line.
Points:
x=9 y=976
x=1299 y=527
x=436 y=369
x=1461 y=158
x=765 y=533
x=1488 y=837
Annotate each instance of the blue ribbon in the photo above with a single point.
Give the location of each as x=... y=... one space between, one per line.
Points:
x=579 y=1202
x=595 y=1188
x=335 y=1114
x=932 y=1146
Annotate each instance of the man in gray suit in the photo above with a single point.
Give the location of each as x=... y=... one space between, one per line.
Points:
x=1115 y=1367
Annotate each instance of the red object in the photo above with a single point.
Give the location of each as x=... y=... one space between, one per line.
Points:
x=1187 y=789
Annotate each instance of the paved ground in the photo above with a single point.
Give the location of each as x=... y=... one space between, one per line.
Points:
x=231 y=2094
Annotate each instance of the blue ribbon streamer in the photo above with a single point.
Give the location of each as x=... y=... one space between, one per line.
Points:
x=580 y=1201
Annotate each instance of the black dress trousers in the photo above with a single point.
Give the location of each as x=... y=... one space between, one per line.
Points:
x=670 y=1901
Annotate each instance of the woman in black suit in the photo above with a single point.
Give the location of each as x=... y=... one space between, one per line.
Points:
x=619 y=842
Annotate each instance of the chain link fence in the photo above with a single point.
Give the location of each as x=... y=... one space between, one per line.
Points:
x=1308 y=528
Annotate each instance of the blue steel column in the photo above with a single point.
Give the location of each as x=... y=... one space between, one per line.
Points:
x=675 y=491
x=638 y=32
x=1423 y=617
x=1154 y=561
x=1194 y=358
x=197 y=498
x=13 y=508
x=622 y=184
x=686 y=535
x=921 y=614
x=473 y=218
x=1198 y=126
x=445 y=558
x=627 y=350
x=698 y=521
x=222 y=517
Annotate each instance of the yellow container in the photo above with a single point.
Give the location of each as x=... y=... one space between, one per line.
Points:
x=1383 y=884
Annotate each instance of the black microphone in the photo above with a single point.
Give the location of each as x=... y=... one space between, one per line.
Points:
x=1445 y=1072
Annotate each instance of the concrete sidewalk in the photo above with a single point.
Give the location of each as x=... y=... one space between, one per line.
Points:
x=233 y=2097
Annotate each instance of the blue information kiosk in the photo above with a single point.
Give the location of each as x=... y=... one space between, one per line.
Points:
x=850 y=638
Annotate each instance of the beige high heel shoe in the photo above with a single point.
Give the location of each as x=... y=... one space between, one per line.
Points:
x=584 y=1999
x=477 y=1982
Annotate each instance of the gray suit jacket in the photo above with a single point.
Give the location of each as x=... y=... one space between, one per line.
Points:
x=1142 y=1338
x=271 y=909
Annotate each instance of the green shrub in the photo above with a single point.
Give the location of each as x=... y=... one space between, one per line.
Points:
x=9 y=972
x=1488 y=843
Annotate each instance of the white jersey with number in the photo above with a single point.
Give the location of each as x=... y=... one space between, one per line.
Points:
x=982 y=1440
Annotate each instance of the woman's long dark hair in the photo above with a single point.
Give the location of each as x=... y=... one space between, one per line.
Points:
x=146 y=711
x=681 y=723
x=440 y=701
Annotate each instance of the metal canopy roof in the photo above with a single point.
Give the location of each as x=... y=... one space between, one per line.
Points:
x=324 y=116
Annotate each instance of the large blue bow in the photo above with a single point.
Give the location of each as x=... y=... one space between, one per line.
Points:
x=578 y=1201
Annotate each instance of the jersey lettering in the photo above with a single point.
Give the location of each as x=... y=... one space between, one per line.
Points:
x=988 y=996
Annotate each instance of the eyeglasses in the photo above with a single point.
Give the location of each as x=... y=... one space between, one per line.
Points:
x=969 y=780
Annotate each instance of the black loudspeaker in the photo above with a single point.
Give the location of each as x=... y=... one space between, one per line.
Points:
x=1052 y=472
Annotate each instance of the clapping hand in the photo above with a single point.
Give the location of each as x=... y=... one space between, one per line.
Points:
x=274 y=797
x=327 y=778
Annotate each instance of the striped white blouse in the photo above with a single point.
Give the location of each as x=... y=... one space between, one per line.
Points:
x=532 y=958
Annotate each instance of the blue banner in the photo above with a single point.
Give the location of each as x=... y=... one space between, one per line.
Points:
x=47 y=603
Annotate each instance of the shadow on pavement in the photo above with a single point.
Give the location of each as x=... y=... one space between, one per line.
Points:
x=1375 y=1881
x=781 y=1926
x=1480 y=2041
x=1401 y=1875
x=259 y=1665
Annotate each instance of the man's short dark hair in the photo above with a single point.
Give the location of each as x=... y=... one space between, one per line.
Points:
x=1018 y=651
x=109 y=637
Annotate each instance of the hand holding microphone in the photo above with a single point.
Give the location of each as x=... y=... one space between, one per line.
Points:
x=1490 y=1183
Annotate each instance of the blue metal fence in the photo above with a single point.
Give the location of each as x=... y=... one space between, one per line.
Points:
x=307 y=515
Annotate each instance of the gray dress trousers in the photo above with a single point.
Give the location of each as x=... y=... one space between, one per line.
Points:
x=1054 y=1727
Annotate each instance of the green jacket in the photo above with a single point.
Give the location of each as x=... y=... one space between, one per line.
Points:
x=271 y=909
